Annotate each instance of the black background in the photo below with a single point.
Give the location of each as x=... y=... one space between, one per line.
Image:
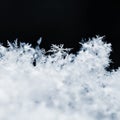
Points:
x=61 y=21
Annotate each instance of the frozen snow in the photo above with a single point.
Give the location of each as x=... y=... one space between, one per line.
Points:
x=62 y=86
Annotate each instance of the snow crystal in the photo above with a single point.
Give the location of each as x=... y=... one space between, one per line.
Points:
x=59 y=85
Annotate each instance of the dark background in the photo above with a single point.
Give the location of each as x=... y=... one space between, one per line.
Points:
x=61 y=21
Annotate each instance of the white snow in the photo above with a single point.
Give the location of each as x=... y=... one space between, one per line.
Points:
x=61 y=86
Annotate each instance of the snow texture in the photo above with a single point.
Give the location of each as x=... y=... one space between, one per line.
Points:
x=61 y=86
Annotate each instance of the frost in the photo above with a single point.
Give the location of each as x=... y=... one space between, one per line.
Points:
x=58 y=85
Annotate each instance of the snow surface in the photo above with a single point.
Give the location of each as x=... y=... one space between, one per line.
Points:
x=61 y=86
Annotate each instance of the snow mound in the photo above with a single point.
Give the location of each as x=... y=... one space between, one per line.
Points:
x=60 y=85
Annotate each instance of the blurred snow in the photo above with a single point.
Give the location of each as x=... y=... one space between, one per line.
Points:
x=61 y=86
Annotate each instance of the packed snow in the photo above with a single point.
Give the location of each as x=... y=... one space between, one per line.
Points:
x=56 y=85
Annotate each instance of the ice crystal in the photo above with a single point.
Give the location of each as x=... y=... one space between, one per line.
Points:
x=60 y=85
